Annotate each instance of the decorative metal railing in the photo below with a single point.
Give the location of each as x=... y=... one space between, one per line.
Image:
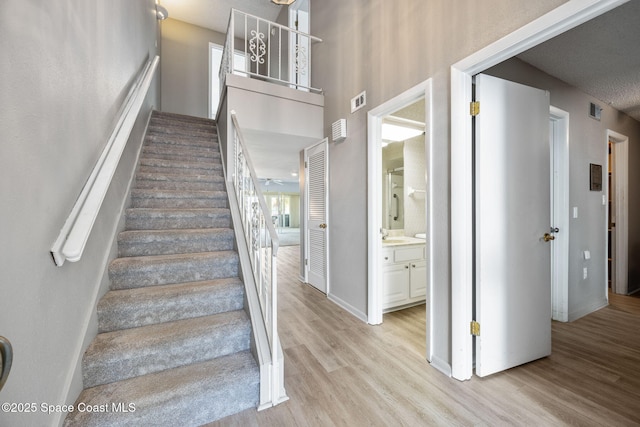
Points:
x=259 y=48
x=262 y=242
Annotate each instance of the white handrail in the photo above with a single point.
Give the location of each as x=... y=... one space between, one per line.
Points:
x=75 y=232
x=263 y=242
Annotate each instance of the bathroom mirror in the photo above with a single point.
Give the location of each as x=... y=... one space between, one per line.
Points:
x=393 y=186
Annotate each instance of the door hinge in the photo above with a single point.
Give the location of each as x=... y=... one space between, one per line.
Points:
x=306 y=261
x=474 y=109
x=305 y=164
x=475 y=328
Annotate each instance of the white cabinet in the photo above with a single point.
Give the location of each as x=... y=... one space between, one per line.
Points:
x=404 y=275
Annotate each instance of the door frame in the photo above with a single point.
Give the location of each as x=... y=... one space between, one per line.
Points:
x=374 y=201
x=620 y=177
x=563 y=18
x=324 y=142
x=560 y=214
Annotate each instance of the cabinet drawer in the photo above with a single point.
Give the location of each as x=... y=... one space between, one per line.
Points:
x=409 y=253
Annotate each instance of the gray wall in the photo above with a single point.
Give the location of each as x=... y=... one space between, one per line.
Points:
x=66 y=67
x=185 y=67
x=386 y=48
x=587 y=145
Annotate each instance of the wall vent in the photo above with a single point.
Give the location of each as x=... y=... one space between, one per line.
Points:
x=339 y=130
x=595 y=111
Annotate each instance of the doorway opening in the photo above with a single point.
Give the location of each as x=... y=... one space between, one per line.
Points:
x=407 y=218
x=559 y=20
x=617 y=225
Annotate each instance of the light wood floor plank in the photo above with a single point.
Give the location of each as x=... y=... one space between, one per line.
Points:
x=340 y=371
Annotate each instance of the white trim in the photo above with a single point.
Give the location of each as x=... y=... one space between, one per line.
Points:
x=560 y=19
x=441 y=365
x=348 y=307
x=621 y=186
x=560 y=214
x=374 y=201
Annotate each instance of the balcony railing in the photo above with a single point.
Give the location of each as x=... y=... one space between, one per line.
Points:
x=258 y=48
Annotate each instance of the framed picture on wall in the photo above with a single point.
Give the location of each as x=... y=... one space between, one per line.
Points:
x=595 y=177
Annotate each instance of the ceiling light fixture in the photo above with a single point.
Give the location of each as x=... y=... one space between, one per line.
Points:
x=161 y=13
x=283 y=2
x=396 y=129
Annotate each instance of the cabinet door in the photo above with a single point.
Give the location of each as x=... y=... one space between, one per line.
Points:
x=395 y=280
x=418 y=279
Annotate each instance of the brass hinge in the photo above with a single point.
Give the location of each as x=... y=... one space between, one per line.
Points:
x=305 y=164
x=475 y=328
x=474 y=108
x=306 y=261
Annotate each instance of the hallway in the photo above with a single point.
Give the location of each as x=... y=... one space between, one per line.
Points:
x=340 y=371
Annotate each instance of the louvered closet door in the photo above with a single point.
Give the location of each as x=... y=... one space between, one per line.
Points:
x=317 y=212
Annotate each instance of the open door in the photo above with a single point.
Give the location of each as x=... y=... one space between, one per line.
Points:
x=317 y=209
x=512 y=221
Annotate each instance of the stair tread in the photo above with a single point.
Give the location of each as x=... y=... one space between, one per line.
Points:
x=117 y=355
x=174 y=241
x=188 y=396
x=153 y=270
x=127 y=308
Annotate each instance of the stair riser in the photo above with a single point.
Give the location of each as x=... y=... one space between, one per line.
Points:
x=158 y=220
x=209 y=165
x=133 y=308
x=186 y=186
x=174 y=244
x=206 y=142
x=136 y=273
x=177 y=203
x=181 y=125
x=182 y=157
x=176 y=150
x=177 y=144
x=216 y=171
x=198 y=345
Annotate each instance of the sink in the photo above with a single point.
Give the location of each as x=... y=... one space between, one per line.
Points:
x=394 y=240
x=401 y=240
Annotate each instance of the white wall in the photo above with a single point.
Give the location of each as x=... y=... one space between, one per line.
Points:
x=587 y=145
x=185 y=67
x=66 y=67
x=415 y=215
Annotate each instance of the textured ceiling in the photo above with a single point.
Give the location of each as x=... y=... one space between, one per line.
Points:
x=600 y=57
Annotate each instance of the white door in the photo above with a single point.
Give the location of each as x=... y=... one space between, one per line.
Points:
x=512 y=217
x=316 y=159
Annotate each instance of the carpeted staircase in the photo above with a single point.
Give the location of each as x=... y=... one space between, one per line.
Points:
x=174 y=340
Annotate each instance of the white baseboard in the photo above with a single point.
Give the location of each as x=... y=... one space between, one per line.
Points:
x=575 y=315
x=441 y=366
x=351 y=309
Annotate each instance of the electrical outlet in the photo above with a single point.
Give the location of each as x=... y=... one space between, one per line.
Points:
x=585 y=273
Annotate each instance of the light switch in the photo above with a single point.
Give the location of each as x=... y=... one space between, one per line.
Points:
x=575 y=212
x=587 y=255
x=604 y=200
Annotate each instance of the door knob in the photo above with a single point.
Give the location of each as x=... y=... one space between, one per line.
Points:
x=548 y=237
x=323 y=226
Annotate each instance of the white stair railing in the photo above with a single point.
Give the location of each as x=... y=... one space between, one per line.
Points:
x=262 y=243
x=269 y=51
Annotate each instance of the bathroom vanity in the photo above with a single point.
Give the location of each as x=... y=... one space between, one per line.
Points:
x=404 y=272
